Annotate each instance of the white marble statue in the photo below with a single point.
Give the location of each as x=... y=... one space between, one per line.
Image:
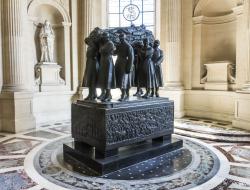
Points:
x=47 y=38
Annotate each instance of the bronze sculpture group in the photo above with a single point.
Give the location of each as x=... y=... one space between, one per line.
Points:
x=137 y=64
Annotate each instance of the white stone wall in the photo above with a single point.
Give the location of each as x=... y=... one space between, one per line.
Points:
x=210 y=104
x=219 y=42
x=191 y=34
x=220 y=32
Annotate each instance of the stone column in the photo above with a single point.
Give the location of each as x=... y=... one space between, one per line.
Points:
x=242 y=97
x=187 y=43
x=75 y=45
x=86 y=24
x=170 y=33
x=15 y=99
x=197 y=53
x=14 y=76
x=67 y=54
x=246 y=86
x=173 y=44
x=241 y=46
x=86 y=18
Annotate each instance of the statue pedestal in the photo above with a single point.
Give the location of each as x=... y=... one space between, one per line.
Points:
x=218 y=76
x=114 y=135
x=48 y=77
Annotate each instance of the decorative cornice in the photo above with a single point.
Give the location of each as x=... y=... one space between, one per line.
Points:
x=215 y=20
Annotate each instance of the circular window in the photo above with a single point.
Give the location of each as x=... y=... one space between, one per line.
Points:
x=131 y=12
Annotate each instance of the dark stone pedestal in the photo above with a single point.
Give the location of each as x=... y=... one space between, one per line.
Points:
x=76 y=154
x=113 y=135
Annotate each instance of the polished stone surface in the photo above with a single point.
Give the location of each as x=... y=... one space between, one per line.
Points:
x=194 y=163
x=124 y=134
x=240 y=171
x=160 y=166
x=8 y=163
x=17 y=146
x=19 y=153
x=77 y=155
x=206 y=129
x=63 y=129
x=43 y=134
x=229 y=184
x=15 y=180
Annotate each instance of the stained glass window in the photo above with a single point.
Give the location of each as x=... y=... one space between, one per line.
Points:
x=123 y=13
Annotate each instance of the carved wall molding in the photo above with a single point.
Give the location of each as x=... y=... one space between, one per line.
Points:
x=56 y=4
x=215 y=20
x=200 y=5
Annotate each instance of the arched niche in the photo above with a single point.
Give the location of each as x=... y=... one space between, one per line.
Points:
x=214 y=35
x=214 y=8
x=46 y=11
x=57 y=15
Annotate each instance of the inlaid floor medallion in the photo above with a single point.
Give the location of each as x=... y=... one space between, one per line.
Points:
x=33 y=160
x=191 y=166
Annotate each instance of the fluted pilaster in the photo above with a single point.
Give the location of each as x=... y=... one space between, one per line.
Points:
x=86 y=27
x=14 y=77
x=241 y=46
x=246 y=87
x=173 y=46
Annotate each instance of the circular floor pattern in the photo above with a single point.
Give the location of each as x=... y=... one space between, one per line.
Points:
x=188 y=167
x=211 y=130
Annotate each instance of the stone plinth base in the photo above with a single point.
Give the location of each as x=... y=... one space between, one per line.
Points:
x=108 y=126
x=59 y=108
x=242 y=111
x=48 y=77
x=219 y=75
x=77 y=154
x=217 y=105
x=110 y=136
x=16 y=111
x=216 y=86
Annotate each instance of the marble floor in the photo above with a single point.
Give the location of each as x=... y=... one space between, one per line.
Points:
x=215 y=156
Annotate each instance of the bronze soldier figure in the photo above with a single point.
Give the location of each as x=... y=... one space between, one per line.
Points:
x=149 y=78
x=123 y=66
x=106 y=76
x=158 y=59
x=92 y=66
x=137 y=72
